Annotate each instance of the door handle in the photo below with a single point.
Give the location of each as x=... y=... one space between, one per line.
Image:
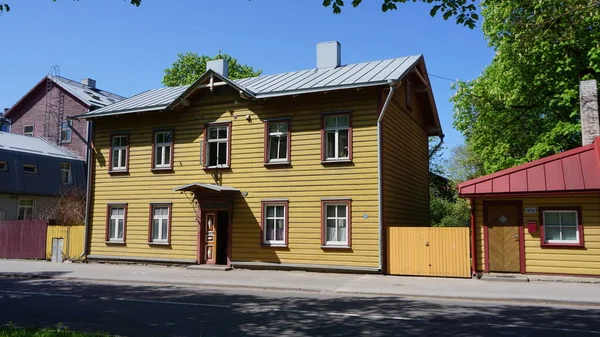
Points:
x=516 y=237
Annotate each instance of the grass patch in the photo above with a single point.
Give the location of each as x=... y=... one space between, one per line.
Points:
x=13 y=331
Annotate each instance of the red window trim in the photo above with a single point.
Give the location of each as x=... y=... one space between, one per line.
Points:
x=324 y=203
x=205 y=143
x=107 y=224
x=110 y=155
x=324 y=160
x=289 y=141
x=263 y=204
x=150 y=218
x=543 y=242
x=153 y=164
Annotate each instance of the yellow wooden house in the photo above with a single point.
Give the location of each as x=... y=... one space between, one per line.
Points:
x=300 y=169
x=542 y=217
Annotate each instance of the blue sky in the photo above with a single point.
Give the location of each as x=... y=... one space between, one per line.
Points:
x=126 y=49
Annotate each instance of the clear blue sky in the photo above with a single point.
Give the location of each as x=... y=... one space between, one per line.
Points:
x=126 y=49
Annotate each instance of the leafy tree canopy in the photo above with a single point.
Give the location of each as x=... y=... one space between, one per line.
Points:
x=525 y=104
x=464 y=11
x=190 y=66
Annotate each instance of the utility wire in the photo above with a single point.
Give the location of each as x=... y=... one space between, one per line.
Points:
x=443 y=78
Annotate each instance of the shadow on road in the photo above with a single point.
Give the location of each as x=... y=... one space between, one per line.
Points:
x=147 y=310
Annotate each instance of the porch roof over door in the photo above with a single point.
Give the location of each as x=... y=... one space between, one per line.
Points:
x=202 y=187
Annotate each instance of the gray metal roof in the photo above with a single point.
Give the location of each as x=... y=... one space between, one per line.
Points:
x=218 y=188
x=292 y=83
x=33 y=145
x=90 y=96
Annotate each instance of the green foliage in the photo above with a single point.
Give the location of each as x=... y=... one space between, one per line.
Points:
x=6 y=8
x=59 y=331
x=524 y=105
x=189 y=67
x=463 y=164
x=463 y=10
x=448 y=212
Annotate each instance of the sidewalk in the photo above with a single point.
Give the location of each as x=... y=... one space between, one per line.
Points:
x=556 y=292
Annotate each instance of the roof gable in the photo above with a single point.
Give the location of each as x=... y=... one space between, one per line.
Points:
x=574 y=170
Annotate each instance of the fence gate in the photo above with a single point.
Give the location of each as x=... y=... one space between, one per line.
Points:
x=24 y=239
x=429 y=251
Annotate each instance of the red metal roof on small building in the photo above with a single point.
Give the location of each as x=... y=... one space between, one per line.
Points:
x=575 y=170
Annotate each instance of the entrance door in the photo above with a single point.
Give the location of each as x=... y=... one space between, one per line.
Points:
x=503 y=238
x=216 y=237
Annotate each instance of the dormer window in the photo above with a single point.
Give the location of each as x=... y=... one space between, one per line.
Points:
x=30 y=169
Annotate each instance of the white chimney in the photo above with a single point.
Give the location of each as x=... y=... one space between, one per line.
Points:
x=329 y=54
x=588 y=106
x=219 y=66
x=89 y=82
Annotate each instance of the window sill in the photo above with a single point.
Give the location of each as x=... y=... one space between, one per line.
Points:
x=118 y=171
x=274 y=245
x=335 y=247
x=158 y=243
x=277 y=163
x=208 y=168
x=162 y=169
x=562 y=245
x=115 y=242
x=65 y=142
x=336 y=161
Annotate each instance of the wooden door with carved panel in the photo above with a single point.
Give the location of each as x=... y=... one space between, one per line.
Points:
x=503 y=238
x=210 y=238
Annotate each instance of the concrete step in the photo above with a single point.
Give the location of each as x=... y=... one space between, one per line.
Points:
x=505 y=277
x=215 y=267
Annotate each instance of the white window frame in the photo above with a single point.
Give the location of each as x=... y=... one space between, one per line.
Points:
x=560 y=226
x=337 y=217
x=279 y=135
x=114 y=235
x=121 y=152
x=64 y=127
x=162 y=218
x=161 y=162
x=218 y=141
x=34 y=167
x=66 y=167
x=336 y=130
x=26 y=207
x=266 y=219
x=29 y=134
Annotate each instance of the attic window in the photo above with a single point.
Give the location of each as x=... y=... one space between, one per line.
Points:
x=31 y=169
x=3 y=166
x=91 y=94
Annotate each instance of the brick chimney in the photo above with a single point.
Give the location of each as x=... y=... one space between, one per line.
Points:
x=588 y=106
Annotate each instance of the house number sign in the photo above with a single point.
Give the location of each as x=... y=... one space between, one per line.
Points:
x=530 y=210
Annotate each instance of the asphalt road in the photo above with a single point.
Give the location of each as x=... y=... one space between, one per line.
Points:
x=153 y=310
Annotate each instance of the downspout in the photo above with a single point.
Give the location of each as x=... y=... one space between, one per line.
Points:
x=88 y=194
x=392 y=85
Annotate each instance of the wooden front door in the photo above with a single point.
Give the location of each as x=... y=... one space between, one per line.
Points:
x=503 y=238
x=210 y=238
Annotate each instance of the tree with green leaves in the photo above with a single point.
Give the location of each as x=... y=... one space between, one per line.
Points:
x=463 y=10
x=190 y=66
x=524 y=105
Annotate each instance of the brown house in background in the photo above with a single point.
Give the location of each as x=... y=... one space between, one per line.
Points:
x=46 y=109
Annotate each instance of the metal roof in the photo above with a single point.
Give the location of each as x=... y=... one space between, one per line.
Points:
x=292 y=83
x=33 y=145
x=212 y=187
x=90 y=96
x=574 y=170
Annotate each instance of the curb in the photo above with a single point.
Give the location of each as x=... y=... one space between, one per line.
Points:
x=304 y=290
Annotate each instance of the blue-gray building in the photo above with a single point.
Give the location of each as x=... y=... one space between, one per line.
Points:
x=33 y=171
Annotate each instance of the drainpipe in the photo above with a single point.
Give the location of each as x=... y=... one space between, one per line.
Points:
x=88 y=194
x=393 y=84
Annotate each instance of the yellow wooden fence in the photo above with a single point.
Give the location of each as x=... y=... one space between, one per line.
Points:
x=429 y=251
x=73 y=238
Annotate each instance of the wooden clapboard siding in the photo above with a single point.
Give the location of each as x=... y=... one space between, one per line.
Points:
x=556 y=260
x=304 y=183
x=405 y=164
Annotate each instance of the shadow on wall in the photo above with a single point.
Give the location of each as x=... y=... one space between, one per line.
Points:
x=177 y=311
